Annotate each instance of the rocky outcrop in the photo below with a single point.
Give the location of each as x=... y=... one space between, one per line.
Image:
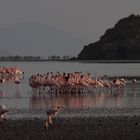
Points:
x=122 y=42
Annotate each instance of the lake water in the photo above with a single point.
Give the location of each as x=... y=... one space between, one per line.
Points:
x=21 y=98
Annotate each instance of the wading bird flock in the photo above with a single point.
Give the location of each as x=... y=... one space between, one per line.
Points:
x=66 y=83
x=76 y=82
x=10 y=74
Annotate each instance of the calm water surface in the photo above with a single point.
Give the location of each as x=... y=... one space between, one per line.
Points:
x=20 y=97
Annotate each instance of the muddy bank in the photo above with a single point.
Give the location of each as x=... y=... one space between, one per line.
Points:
x=73 y=128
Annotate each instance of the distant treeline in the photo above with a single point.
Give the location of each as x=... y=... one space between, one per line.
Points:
x=19 y=58
x=35 y=58
x=54 y=57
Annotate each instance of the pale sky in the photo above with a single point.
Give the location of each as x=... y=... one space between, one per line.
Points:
x=81 y=18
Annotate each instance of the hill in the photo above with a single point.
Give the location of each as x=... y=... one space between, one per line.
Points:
x=35 y=39
x=122 y=42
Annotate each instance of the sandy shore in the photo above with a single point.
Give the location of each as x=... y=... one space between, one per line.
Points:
x=73 y=128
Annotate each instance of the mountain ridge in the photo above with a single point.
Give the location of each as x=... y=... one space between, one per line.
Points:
x=122 y=42
x=36 y=39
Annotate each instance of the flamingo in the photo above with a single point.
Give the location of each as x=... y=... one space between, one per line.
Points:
x=133 y=83
x=3 y=110
x=17 y=81
x=2 y=80
x=52 y=113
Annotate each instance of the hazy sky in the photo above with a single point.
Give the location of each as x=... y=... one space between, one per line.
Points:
x=82 y=18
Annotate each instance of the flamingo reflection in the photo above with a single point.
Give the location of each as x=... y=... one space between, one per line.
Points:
x=74 y=101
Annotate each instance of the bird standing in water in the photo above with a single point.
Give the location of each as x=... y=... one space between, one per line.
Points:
x=3 y=110
x=52 y=113
x=134 y=84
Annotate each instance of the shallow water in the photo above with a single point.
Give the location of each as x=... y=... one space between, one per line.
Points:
x=21 y=98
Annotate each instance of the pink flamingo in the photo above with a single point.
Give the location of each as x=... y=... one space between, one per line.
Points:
x=133 y=83
x=17 y=81
x=3 y=110
x=2 y=81
x=52 y=113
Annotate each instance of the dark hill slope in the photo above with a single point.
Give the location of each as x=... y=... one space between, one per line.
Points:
x=119 y=43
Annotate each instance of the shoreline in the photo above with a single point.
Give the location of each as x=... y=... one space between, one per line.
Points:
x=73 y=128
x=15 y=114
x=76 y=61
